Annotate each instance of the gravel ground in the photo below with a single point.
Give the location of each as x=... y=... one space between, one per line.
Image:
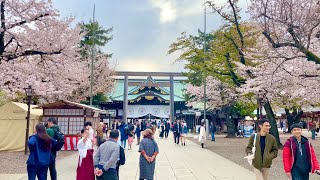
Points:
x=233 y=149
x=15 y=162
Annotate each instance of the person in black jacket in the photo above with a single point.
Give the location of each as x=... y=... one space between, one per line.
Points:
x=167 y=129
x=177 y=128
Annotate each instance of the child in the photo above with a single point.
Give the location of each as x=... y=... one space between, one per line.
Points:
x=130 y=140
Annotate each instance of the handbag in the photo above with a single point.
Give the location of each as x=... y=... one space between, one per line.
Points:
x=252 y=156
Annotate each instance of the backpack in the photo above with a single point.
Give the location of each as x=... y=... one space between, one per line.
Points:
x=126 y=130
x=122 y=157
x=131 y=127
x=59 y=136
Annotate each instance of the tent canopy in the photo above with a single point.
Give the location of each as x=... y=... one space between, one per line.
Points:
x=13 y=125
x=18 y=111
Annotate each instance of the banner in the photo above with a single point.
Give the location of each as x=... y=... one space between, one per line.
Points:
x=161 y=111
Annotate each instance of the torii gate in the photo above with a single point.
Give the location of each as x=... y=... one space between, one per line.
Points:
x=126 y=74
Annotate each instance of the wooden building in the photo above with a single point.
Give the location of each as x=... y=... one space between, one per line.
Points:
x=71 y=117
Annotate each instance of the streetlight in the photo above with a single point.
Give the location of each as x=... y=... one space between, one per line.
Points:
x=29 y=93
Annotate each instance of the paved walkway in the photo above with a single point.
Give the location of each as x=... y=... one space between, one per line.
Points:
x=174 y=162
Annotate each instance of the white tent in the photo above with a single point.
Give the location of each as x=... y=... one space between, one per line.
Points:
x=13 y=124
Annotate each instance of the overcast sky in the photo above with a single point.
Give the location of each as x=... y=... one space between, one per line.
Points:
x=143 y=29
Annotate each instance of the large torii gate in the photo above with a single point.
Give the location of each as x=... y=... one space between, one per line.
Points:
x=126 y=74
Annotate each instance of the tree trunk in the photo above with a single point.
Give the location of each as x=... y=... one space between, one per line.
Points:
x=274 y=128
x=231 y=128
x=3 y=26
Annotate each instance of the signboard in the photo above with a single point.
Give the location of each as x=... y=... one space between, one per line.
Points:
x=248 y=131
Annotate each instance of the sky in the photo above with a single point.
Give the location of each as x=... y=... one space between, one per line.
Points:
x=143 y=29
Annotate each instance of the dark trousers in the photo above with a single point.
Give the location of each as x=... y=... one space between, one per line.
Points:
x=166 y=133
x=296 y=175
x=53 y=171
x=108 y=175
x=39 y=171
x=138 y=140
x=176 y=137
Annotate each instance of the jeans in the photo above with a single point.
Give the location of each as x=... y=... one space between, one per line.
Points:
x=123 y=143
x=313 y=132
x=212 y=137
x=299 y=176
x=176 y=137
x=138 y=140
x=53 y=171
x=39 y=171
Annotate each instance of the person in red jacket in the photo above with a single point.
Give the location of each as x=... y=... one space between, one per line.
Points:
x=299 y=158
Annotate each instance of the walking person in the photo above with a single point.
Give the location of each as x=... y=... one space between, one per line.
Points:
x=130 y=140
x=85 y=169
x=148 y=152
x=284 y=122
x=167 y=129
x=213 y=130
x=299 y=158
x=177 y=131
x=313 y=129
x=53 y=131
x=138 y=133
x=184 y=133
x=161 y=130
x=124 y=132
x=266 y=150
x=105 y=161
x=202 y=134
x=40 y=145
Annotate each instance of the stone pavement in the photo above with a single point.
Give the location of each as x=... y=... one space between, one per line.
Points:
x=174 y=162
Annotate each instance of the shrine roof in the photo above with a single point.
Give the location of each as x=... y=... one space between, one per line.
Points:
x=118 y=92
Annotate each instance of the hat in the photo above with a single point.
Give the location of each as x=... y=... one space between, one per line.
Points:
x=295 y=125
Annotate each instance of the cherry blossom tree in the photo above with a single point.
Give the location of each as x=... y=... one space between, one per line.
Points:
x=293 y=25
x=39 y=48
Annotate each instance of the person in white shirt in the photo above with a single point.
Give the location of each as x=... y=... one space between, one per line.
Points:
x=85 y=169
x=202 y=135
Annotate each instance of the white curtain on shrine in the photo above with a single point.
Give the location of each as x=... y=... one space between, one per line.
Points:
x=135 y=111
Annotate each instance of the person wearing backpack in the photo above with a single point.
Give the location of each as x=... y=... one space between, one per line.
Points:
x=54 y=132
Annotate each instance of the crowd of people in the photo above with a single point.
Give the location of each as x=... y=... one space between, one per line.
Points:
x=299 y=158
x=104 y=163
